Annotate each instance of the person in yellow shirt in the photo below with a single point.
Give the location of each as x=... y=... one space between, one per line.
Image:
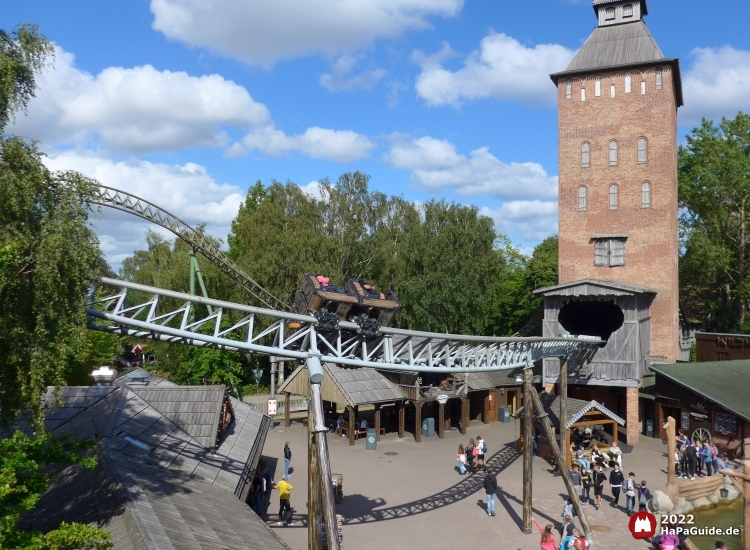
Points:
x=284 y=488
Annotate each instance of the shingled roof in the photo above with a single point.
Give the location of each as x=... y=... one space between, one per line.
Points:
x=575 y=408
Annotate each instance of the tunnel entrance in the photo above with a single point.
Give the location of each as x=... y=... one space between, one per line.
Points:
x=593 y=318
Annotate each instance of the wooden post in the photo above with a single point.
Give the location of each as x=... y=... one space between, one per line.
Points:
x=418 y=421
x=464 y=415
x=486 y=409
x=352 y=427
x=287 y=409
x=549 y=433
x=314 y=508
x=441 y=420
x=563 y=399
x=401 y=419
x=528 y=449
x=746 y=496
x=377 y=422
x=669 y=425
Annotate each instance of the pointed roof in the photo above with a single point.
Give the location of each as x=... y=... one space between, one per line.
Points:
x=194 y=409
x=575 y=408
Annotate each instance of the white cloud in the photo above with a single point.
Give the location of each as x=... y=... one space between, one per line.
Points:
x=136 y=110
x=531 y=221
x=320 y=143
x=265 y=31
x=312 y=189
x=341 y=78
x=436 y=167
x=187 y=191
x=502 y=68
x=716 y=85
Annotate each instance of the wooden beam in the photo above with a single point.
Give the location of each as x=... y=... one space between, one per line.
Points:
x=563 y=399
x=441 y=420
x=352 y=427
x=314 y=506
x=377 y=422
x=418 y=421
x=486 y=409
x=671 y=445
x=401 y=419
x=528 y=448
x=464 y=415
x=287 y=409
x=547 y=427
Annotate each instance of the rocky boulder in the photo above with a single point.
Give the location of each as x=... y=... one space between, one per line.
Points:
x=661 y=503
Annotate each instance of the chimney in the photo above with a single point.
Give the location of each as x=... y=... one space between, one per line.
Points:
x=104 y=375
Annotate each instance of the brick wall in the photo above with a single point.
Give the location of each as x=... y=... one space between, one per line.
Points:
x=632 y=426
x=651 y=247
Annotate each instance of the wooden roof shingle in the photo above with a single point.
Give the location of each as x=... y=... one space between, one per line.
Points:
x=576 y=408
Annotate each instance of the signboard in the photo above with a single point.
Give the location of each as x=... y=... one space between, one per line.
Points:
x=442 y=399
x=271 y=407
x=685 y=425
x=725 y=424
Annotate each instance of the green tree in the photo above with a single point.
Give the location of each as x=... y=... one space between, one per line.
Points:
x=48 y=253
x=25 y=465
x=714 y=199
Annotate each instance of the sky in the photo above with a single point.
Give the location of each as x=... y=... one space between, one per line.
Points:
x=187 y=103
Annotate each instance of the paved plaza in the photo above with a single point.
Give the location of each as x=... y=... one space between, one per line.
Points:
x=408 y=495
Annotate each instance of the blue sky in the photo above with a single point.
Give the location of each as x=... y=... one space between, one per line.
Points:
x=187 y=103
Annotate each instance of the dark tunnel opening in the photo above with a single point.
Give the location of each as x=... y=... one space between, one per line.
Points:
x=591 y=318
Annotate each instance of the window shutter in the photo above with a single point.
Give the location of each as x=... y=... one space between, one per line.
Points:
x=601 y=253
x=617 y=252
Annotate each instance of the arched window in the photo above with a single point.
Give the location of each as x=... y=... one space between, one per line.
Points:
x=585 y=155
x=609 y=14
x=598 y=86
x=627 y=10
x=628 y=81
x=612 y=90
x=583 y=94
x=641 y=150
x=646 y=195
x=581 y=199
x=568 y=89
x=613 y=153
x=643 y=87
x=658 y=79
x=613 y=197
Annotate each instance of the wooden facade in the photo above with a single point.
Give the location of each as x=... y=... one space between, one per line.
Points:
x=721 y=347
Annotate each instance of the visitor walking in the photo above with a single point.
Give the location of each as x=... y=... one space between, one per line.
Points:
x=482 y=448
x=548 y=541
x=490 y=488
x=587 y=483
x=461 y=456
x=471 y=454
x=600 y=478
x=257 y=492
x=630 y=490
x=692 y=459
x=616 y=479
x=567 y=515
x=643 y=496
x=284 y=488
x=287 y=459
x=575 y=477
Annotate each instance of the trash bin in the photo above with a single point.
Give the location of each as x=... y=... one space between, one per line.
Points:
x=428 y=427
x=649 y=428
x=372 y=439
x=504 y=414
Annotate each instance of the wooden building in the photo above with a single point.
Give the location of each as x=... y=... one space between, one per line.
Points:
x=711 y=346
x=708 y=399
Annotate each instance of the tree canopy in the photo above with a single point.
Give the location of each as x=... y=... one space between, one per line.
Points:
x=714 y=195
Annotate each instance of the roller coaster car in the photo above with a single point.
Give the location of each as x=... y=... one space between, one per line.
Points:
x=373 y=305
x=326 y=302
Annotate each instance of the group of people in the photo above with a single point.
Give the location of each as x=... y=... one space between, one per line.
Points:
x=360 y=424
x=584 y=480
x=263 y=483
x=470 y=458
x=570 y=539
x=691 y=457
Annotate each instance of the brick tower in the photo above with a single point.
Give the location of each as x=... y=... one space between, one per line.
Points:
x=618 y=102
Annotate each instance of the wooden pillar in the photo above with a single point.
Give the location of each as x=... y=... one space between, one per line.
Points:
x=563 y=399
x=464 y=414
x=314 y=504
x=377 y=422
x=352 y=427
x=418 y=421
x=528 y=448
x=746 y=497
x=486 y=409
x=441 y=420
x=401 y=419
x=669 y=425
x=287 y=409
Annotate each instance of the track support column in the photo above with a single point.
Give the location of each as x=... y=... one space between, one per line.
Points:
x=528 y=448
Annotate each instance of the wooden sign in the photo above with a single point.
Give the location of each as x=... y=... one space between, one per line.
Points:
x=271 y=407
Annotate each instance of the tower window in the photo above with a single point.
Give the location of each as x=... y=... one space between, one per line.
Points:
x=583 y=94
x=585 y=155
x=612 y=90
x=598 y=86
x=646 y=195
x=643 y=87
x=609 y=14
x=641 y=150
x=609 y=252
x=627 y=10
x=658 y=79
x=581 y=199
x=627 y=83
x=613 y=153
x=568 y=89
x=613 y=197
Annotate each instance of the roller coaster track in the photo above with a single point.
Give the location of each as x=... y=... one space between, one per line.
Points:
x=127 y=202
x=146 y=312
